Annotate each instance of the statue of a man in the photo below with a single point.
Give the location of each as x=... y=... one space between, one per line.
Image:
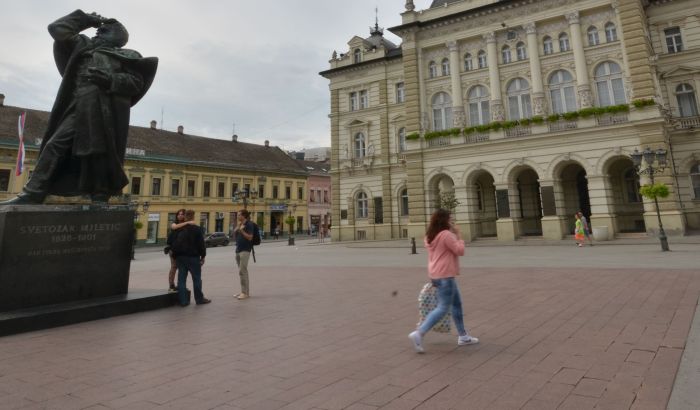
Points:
x=83 y=149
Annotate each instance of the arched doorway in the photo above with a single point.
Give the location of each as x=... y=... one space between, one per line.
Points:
x=529 y=201
x=627 y=204
x=442 y=193
x=483 y=204
x=574 y=185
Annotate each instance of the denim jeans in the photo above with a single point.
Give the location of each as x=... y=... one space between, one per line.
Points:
x=193 y=265
x=448 y=298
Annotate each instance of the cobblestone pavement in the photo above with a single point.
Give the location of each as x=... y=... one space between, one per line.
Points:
x=601 y=327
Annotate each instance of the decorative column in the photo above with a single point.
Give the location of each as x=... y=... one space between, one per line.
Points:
x=553 y=219
x=497 y=112
x=457 y=101
x=508 y=207
x=538 y=101
x=602 y=204
x=583 y=84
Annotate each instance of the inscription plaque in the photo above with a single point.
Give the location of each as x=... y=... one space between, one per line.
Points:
x=548 y=206
x=55 y=254
x=502 y=205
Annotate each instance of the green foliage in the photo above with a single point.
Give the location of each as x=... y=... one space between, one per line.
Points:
x=290 y=220
x=452 y=132
x=447 y=200
x=413 y=136
x=261 y=221
x=496 y=125
x=553 y=118
x=613 y=109
x=509 y=124
x=643 y=102
x=570 y=116
x=483 y=128
x=537 y=119
x=525 y=121
x=138 y=225
x=587 y=112
x=657 y=190
x=469 y=130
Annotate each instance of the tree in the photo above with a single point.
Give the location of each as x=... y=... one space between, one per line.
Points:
x=654 y=191
x=290 y=220
x=447 y=200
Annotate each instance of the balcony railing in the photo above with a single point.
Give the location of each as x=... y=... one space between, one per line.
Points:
x=357 y=162
x=612 y=119
x=687 y=122
x=562 y=125
x=474 y=138
x=439 y=141
x=518 y=131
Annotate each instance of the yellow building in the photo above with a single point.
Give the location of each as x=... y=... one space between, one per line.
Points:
x=523 y=112
x=172 y=170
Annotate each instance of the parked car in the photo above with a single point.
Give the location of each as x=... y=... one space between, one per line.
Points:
x=216 y=239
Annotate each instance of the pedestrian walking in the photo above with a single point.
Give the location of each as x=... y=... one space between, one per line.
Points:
x=189 y=251
x=244 y=245
x=586 y=227
x=445 y=246
x=579 y=237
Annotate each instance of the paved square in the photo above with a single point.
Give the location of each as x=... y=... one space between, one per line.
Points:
x=560 y=327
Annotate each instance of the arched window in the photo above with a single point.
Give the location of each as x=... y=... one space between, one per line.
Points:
x=402 y=139
x=442 y=111
x=561 y=91
x=360 y=145
x=483 y=63
x=478 y=98
x=404 y=202
x=357 y=55
x=547 y=46
x=695 y=180
x=445 y=66
x=505 y=54
x=519 y=99
x=521 y=51
x=564 y=42
x=432 y=69
x=468 y=62
x=362 y=205
x=608 y=81
x=632 y=186
x=593 y=39
x=686 y=101
x=610 y=32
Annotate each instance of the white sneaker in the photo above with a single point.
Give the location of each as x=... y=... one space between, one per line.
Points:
x=417 y=340
x=467 y=340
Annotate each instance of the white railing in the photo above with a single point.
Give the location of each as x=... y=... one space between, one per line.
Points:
x=400 y=157
x=562 y=125
x=687 y=122
x=611 y=119
x=518 y=131
x=357 y=162
x=474 y=138
x=439 y=141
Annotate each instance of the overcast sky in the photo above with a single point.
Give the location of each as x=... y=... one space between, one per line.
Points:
x=250 y=62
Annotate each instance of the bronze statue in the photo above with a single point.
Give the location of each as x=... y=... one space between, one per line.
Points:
x=83 y=149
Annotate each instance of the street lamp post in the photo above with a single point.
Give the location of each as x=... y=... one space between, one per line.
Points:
x=644 y=165
x=292 y=210
x=244 y=196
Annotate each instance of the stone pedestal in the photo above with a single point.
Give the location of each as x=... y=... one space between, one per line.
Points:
x=601 y=220
x=553 y=227
x=508 y=229
x=66 y=253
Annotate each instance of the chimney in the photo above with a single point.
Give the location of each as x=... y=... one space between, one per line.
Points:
x=154 y=124
x=267 y=143
x=234 y=138
x=180 y=129
x=2 y=100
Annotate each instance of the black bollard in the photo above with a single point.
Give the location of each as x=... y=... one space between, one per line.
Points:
x=413 y=246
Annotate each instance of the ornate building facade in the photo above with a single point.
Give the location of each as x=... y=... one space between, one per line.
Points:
x=523 y=112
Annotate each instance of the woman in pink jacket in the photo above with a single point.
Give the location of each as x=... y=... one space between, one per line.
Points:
x=444 y=249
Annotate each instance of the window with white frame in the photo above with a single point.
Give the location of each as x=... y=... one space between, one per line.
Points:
x=442 y=111
x=432 y=69
x=364 y=100
x=354 y=101
x=519 y=107
x=400 y=93
x=521 y=51
x=478 y=99
x=404 y=202
x=357 y=56
x=564 y=42
x=468 y=62
x=505 y=54
x=362 y=206
x=593 y=39
x=481 y=57
x=674 y=42
x=360 y=145
x=685 y=95
x=610 y=32
x=631 y=186
x=402 y=139
x=547 y=46
x=561 y=92
x=609 y=84
x=695 y=181
x=445 y=66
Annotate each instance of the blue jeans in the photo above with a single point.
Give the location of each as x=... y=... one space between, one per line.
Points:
x=448 y=298
x=193 y=265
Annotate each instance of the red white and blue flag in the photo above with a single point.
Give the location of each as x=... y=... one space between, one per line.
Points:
x=20 y=151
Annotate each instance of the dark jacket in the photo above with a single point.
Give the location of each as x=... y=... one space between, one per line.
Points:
x=188 y=241
x=101 y=116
